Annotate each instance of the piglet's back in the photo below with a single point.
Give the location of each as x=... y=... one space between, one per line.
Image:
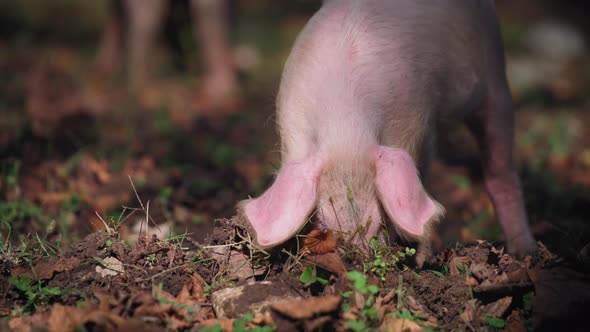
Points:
x=362 y=71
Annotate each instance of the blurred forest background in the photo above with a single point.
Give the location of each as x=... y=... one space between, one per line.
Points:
x=72 y=129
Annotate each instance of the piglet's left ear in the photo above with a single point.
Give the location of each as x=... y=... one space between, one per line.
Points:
x=282 y=210
x=401 y=192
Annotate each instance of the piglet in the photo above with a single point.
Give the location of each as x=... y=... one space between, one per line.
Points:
x=360 y=96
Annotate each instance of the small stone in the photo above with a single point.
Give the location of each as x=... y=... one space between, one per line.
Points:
x=254 y=297
x=112 y=267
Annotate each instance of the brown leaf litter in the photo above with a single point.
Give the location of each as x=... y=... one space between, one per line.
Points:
x=117 y=287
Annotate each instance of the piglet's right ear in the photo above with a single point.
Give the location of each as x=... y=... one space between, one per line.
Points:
x=403 y=198
x=282 y=210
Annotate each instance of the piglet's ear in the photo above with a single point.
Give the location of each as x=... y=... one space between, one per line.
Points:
x=282 y=210
x=401 y=192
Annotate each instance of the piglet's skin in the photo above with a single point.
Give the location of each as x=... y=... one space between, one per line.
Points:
x=359 y=98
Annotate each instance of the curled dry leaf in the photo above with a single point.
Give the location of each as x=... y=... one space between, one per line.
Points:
x=64 y=319
x=45 y=269
x=262 y=319
x=319 y=242
x=498 y=308
x=100 y=170
x=26 y=323
x=226 y=324
x=308 y=308
x=401 y=325
x=472 y=311
x=329 y=261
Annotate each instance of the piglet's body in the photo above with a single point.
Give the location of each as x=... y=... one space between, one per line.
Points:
x=359 y=99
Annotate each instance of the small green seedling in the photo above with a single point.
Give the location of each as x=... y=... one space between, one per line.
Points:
x=419 y=319
x=36 y=292
x=369 y=316
x=380 y=266
x=462 y=268
x=151 y=257
x=214 y=328
x=498 y=323
x=437 y=273
x=309 y=276
x=241 y=325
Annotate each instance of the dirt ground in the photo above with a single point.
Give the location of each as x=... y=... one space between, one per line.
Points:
x=118 y=210
x=100 y=283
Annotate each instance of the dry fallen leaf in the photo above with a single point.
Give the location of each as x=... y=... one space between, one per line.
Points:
x=319 y=242
x=457 y=262
x=45 y=269
x=472 y=311
x=308 y=308
x=515 y=323
x=498 y=308
x=401 y=325
x=100 y=170
x=24 y=324
x=226 y=324
x=64 y=319
x=330 y=261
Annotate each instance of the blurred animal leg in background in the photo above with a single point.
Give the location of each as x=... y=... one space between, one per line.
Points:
x=145 y=17
x=112 y=40
x=211 y=26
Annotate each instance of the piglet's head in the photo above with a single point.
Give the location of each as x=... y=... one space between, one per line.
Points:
x=283 y=209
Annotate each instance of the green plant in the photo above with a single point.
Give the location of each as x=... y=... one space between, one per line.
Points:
x=164 y=198
x=368 y=315
x=551 y=136
x=444 y=270
x=420 y=319
x=67 y=215
x=527 y=305
x=9 y=175
x=498 y=323
x=310 y=276
x=385 y=259
x=178 y=238
x=35 y=292
x=19 y=210
x=29 y=248
x=241 y=325
x=214 y=328
x=151 y=258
